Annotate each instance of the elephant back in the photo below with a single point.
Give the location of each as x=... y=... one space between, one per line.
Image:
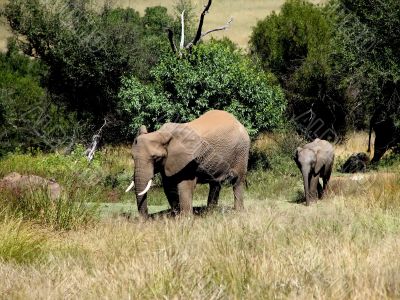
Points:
x=225 y=139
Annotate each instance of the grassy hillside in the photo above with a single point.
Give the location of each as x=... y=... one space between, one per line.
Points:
x=244 y=13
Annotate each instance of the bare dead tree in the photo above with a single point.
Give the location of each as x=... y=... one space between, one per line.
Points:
x=199 y=33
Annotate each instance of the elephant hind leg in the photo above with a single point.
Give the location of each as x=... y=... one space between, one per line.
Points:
x=213 y=195
x=238 y=190
x=325 y=181
x=320 y=190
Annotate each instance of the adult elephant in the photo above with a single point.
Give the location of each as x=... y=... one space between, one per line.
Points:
x=386 y=136
x=211 y=149
x=315 y=160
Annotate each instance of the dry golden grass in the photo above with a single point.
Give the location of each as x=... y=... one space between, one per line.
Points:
x=245 y=14
x=355 y=142
x=345 y=246
x=335 y=249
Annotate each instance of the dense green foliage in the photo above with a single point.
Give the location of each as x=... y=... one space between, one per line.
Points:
x=338 y=61
x=337 y=64
x=295 y=44
x=87 y=51
x=27 y=118
x=213 y=76
x=367 y=36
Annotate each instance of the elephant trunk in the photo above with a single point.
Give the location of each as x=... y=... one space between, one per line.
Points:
x=142 y=178
x=306 y=178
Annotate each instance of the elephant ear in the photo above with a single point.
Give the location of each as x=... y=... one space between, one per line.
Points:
x=184 y=147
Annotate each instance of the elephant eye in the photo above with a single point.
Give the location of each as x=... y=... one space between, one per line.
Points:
x=135 y=141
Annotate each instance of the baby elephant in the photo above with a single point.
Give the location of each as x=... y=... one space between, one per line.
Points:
x=315 y=160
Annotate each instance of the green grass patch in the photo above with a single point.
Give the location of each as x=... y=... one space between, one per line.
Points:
x=69 y=211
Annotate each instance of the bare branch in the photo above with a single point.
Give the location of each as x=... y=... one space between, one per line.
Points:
x=182 y=45
x=199 y=34
x=200 y=28
x=95 y=142
x=226 y=26
x=171 y=40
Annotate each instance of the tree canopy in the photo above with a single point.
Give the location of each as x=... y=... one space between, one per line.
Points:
x=213 y=76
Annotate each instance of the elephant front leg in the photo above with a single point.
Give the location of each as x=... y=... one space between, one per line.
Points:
x=238 y=190
x=213 y=195
x=314 y=187
x=171 y=191
x=185 y=190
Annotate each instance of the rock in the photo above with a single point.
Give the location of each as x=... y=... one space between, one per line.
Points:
x=357 y=162
x=17 y=182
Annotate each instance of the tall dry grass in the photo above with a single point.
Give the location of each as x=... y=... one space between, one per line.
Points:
x=355 y=142
x=20 y=243
x=272 y=250
x=345 y=246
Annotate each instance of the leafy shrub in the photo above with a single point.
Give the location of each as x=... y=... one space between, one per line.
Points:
x=213 y=76
x=366 y=56
x=275 y=151
x=27 y=118
x=296 y=45
x=87 y=51
x=258 y=159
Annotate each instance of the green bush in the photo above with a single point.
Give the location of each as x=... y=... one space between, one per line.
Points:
x=275 y=152
x=296 y=45
x=213 y=76
x=367 y=54
x=87 y=51
x=283 y=41
x=27 y=117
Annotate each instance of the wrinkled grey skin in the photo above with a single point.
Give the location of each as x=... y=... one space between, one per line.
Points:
x=211 y=149
x=315 y=160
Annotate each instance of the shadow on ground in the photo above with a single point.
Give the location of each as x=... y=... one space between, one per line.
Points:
x=167 y=213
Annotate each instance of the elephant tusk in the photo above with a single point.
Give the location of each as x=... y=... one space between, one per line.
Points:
x=130 y=186
x=146 y=189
